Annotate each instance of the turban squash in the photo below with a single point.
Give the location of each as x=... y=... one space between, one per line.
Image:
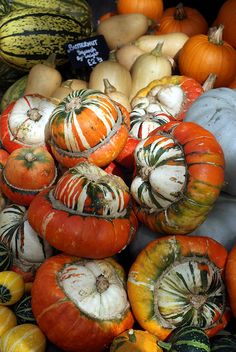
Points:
x=178 y=281
x=88 y=125
x=88 y=213
x=179 y=175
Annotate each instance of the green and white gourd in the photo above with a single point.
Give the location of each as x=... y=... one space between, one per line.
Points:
x=29 y=250
x=6 y=257
x=224 y=341
x=23 y=310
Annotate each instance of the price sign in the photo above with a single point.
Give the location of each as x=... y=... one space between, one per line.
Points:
x=87 y=52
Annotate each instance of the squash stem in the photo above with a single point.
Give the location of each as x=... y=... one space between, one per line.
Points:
x=109 y=88
x=215 y=35
x=209 y=82
x=157 y=51
x=51 y=60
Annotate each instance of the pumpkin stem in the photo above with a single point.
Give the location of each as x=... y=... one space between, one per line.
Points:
x=165 y=345
x=209 y=82
x=109 y=88
x=67 y=84
x=180 y=13
x=132 y=337
x=73 y=104
x=112 y=56
x=215 y=35
x=157 y=51
x=102 y=283
x=30 y=157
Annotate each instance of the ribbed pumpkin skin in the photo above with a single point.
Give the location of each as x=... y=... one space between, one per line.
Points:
x=45 y=26
x=162 y=289
x=199 y=57
x=182 y=19
x=88 y=213
x=150 y=8
x=62 y=320
x=88 y=125
x=203 y=160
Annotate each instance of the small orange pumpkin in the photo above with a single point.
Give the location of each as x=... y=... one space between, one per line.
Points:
x=150 y=8
x=182 y=19
x=227 y=16
x=204 y=54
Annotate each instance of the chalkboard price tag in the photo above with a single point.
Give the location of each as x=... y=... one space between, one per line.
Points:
x=87 y=52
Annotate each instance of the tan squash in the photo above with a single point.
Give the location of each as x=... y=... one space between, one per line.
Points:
x=116 y=73
x=43 y=78
x=127 y=54
x=119 y=30
x=172 y=42
x=115 y=95
x=66 y=87
x=148 y=67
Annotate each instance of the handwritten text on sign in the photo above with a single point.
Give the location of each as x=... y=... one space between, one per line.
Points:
x=88 y=52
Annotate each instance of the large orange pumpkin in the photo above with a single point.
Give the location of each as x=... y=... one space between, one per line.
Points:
x=227 y=17
x=177 y=281
x=204 y=54
x=182 y=19
x=150 y=8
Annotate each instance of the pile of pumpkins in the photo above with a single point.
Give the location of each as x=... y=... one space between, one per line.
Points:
x=117 y=193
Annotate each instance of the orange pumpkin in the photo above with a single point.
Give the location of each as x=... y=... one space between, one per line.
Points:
x=204 y=54
x=3 y=158
x=233 y=83
x=230 y=276
x=26 y=173
x=176 y=281
x=227 y=17
x=182 y=19
x=150 y=8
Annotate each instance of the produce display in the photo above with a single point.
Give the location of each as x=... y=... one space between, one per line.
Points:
x=117 y=176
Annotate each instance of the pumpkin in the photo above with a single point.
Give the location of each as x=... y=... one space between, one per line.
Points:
x=172 y=95
x=135 y=341
x=7 y=319
x=73 y=296
x=26 y=173
x=224 y=341
x=6 y=256
x=23 y=310
x=126 y=157
x=226 y=16
x=215 y=111
x=187 y=339
x=88 y=125
x=87 y=213
x=182 y=19
x=27 y=337
x=28 y=250
x=11 y=287
x=150 y=8
x=230 y=277
x=177 y=281
x=179 y=175
x=204 y=54
x=23 y=123
x=3 y=158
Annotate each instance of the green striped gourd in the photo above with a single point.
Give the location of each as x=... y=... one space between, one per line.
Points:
x=8 y=75
x=29 y=36
x=23 y=310
x=76 y=8
x=6 y=257
x=224 y=341
x=5 y=7
x=187 y=339
x=14 y=92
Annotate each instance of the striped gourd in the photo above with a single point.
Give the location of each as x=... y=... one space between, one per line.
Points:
x=224 y=341
x=187 y=339
x=4 y=7
x=14 y=92
x=24 y=337
x=7 y=319
x=6 y=257
x=29 y=36
x=77 y=8
x=11 y=287
x=23 y=310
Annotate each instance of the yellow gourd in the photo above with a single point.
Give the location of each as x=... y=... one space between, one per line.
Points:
x=11 y=287
x=7 y=319
x=23 y=338
x=43 y=78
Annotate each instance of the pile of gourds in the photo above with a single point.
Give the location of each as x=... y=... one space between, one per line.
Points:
x=117 y=192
